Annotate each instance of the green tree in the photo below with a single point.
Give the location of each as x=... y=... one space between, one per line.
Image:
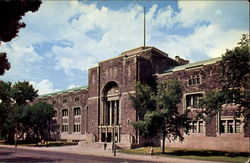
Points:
x=41 y=120
x=143 y=100
x=23 y=92
x=4 y=63
x=11 y=12
x=164 y=117
x=235 y=80
x=13 y=98
x=5 y=104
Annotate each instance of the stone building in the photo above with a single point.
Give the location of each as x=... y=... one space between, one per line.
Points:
x=92 y=113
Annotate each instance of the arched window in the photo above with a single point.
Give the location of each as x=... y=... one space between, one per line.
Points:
x=111 y=101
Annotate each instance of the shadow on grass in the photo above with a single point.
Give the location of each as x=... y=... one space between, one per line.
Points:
x=5 y=153
x=51 y=144
x=29 y=159
x=204 y=153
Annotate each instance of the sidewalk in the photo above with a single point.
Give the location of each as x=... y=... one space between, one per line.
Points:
x=77 y=149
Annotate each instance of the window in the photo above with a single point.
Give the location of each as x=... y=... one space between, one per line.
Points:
x=194 y=80
x=193 y=99
x=54 y=128
x=77 y=99
x=65 y=101
x=77 y=111
x=54 y=102
x=65 y=112
x=77 y=128
x=197 y=127
x=128 y=123
x=237 y=126
x=55 y=113
x=230 y=126
x=64 y=128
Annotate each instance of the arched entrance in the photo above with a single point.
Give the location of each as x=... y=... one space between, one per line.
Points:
x=110 y=113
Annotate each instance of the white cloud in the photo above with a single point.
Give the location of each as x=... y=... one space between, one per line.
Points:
x=215 y=29
x=226 y=14
x=72 y=86
x=44 y=86
x=91 y=34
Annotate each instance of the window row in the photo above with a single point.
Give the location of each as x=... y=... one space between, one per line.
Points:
x=197 y=127
x=65 y=112
x=65 y=128
x=194 y=80
x=66 y=100
x=226 y=126
x=230 y=126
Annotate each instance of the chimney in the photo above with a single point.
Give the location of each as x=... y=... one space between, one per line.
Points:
x=181 y=61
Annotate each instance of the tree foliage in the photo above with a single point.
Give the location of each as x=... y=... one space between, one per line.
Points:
x=35 y=121
x=23 y=92
x=16 y=114
x=4 y=63
x=235 y=80
x=5 y=102
x=162 y=116
x=11 y=12
x=143 y=100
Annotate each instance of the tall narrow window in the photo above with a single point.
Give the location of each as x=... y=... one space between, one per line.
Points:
x=223 y=126
x=65 y=101
x=193 y=99
x=77 y=128
x=77 y=111
x=230 y=128
x=55 y=113
x=65 y=128
x=237 y=126
x=197 y=127
x=65 y=112
x=200 y=129
x=77 y=99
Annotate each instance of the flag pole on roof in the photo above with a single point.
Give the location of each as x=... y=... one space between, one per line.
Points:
x=144 y=13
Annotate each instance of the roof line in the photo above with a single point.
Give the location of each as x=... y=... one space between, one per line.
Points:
x=64 y=91
x=193 y=65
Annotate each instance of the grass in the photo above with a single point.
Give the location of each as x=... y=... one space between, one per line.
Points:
x=209 y=155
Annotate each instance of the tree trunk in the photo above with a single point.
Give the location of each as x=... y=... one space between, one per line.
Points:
x=163 y=142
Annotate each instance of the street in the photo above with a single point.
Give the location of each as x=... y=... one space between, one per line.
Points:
x=26 y=155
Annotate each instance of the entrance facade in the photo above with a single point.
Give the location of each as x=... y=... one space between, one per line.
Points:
x=110 y=113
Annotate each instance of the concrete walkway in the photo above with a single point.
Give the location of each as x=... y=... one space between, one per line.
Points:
x=77 y=149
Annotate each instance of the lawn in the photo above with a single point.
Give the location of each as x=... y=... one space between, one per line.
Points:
x=210 y=155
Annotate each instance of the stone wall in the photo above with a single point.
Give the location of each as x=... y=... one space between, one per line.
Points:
x=211 y=138
x=224 y=142
x=59 y=103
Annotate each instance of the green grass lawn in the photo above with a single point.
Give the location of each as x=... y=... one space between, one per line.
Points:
x=210 y=155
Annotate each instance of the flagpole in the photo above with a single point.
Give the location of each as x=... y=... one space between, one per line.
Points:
x=144 y=13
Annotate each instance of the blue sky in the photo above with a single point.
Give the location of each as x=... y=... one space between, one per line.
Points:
x=65 y=38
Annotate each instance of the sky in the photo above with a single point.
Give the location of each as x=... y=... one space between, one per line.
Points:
x=63 y=39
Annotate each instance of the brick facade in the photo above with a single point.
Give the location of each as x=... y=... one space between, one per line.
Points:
x=105 y=105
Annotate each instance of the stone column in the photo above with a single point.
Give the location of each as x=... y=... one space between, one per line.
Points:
x=100 y=133
x=110 y=112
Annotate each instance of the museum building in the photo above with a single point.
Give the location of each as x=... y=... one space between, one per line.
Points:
x=94 y=112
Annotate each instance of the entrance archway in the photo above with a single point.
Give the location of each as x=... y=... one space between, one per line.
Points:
x=110 y=113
